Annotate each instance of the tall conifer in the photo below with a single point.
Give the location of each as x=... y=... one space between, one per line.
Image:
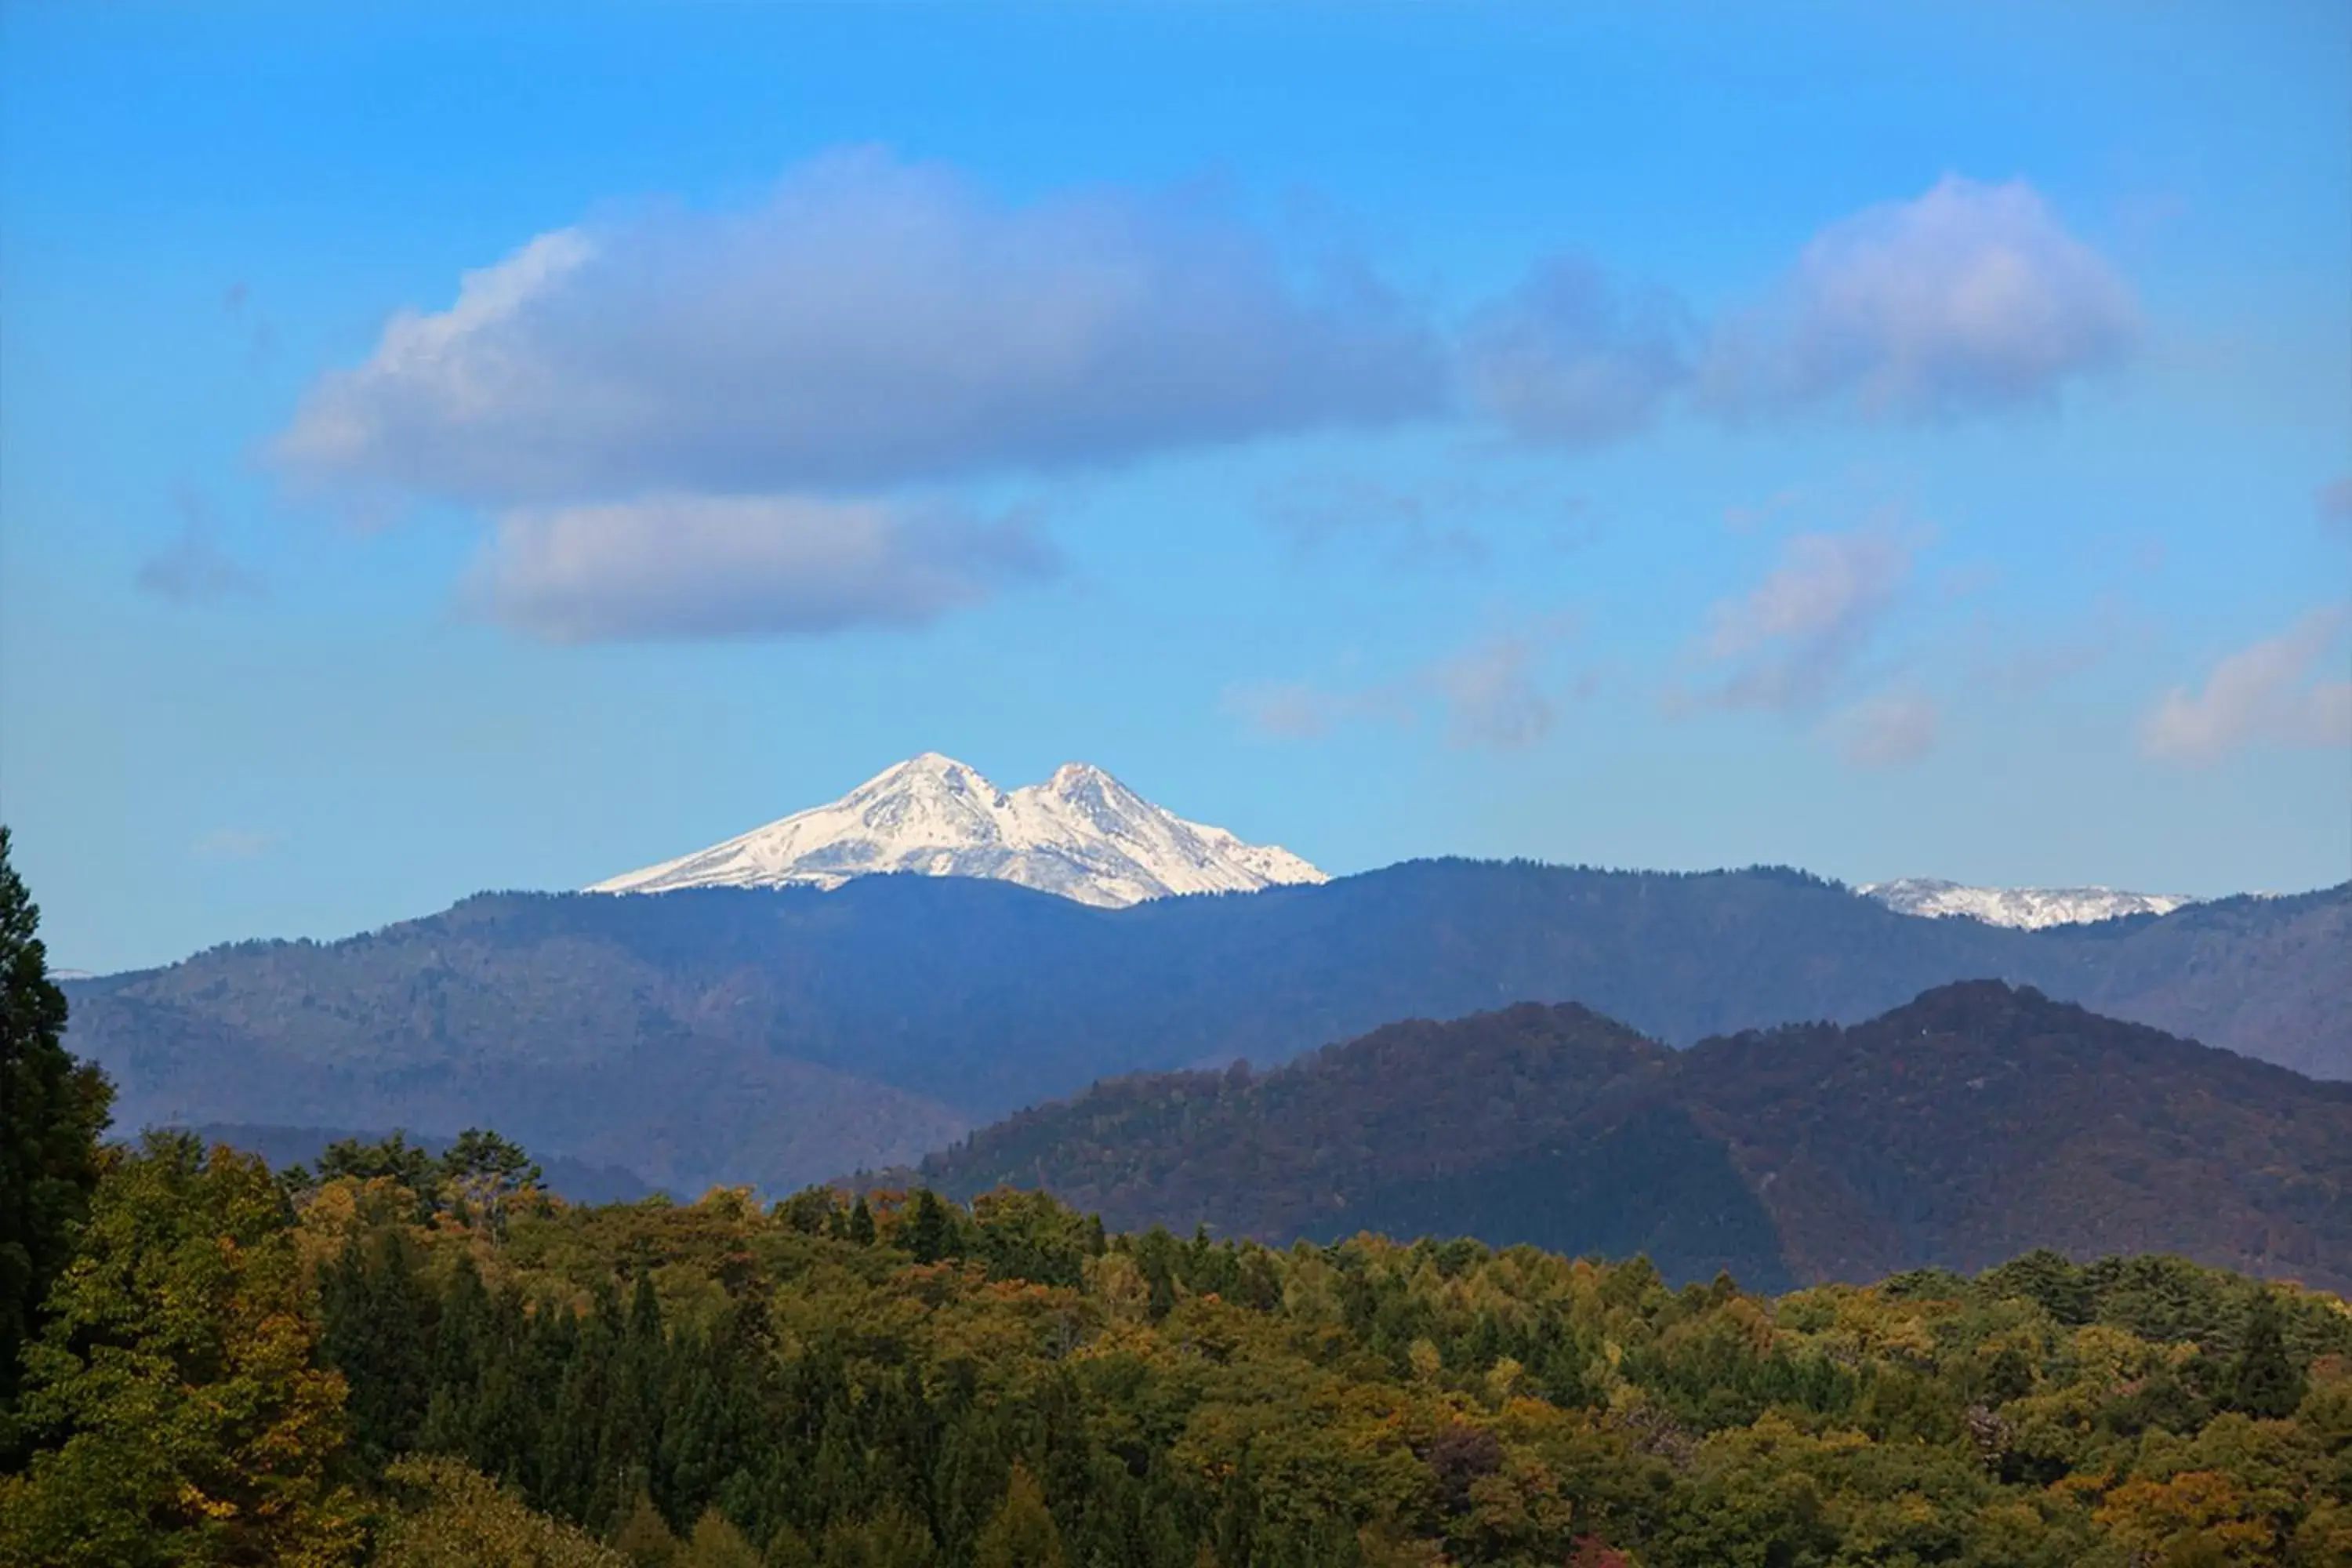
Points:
x=52 y=1111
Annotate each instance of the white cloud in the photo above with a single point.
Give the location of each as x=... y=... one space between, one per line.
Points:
x=1301 y=711
x=2014 y=663
x=1971 y=297
x=2335 y=506
x=1492 y=695
x=1892 y=729
x=870 y=323
x=2282 y=691
x=1569 y=359
x=233 y=844
x=1421 y=523
x=709 y=567
x=1418 y=526
x=1789 y=642
x=1497 y=694
x=192 y=569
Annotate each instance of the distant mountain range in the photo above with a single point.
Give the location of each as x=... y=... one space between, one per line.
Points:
x=2031 y=908
x=1081 y=834
x=789 y=1035
x=1084 y=835
x=1972 y=1124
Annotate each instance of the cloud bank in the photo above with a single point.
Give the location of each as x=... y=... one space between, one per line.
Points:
x=1495 y=694
x=1892 y=729
x=192 y=569
x=1570 y=359
x=2334 y=505
x=233 y=844
x=871 y=323
x=1786 y=643
x=1966 y=300
x=695 y=424
x=2277 y=692
x=702 y=567
x=1969 y=298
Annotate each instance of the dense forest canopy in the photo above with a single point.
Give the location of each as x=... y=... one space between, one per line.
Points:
x=405 y=1361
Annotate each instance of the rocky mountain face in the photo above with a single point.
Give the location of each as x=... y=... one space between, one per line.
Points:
x=1081 y=835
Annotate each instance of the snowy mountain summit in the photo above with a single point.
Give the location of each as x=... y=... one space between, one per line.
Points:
x=2030 y=908
x=1081 y=834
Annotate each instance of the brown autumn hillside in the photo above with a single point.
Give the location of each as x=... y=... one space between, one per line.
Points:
x=1972 y=1124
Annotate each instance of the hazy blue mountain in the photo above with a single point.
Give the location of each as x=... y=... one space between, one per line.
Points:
x=781 y=1036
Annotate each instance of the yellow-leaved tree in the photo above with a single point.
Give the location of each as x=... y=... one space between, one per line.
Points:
x=454 y=1517
x=175 y=1397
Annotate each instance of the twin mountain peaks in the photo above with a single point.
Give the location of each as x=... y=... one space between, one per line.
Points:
x=1085 y=836
x=1081 y=834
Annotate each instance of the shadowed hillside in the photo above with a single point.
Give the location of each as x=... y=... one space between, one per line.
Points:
x=1968 y=1126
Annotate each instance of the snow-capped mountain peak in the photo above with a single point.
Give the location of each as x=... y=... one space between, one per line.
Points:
x=1081 y=834
x=2030 y=908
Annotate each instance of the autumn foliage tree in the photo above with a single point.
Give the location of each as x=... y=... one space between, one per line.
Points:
x=449 y=1516
x=184 y=1416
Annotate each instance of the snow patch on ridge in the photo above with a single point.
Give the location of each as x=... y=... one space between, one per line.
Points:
x=2033 y=909
x=1081 y=835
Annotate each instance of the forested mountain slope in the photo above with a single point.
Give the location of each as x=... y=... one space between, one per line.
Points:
x=784 y=1035
x=1965 y=1127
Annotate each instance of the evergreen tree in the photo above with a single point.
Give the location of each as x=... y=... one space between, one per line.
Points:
x=2265 y=1382
x=52 y=1111
x=457 y=1379
x=374 y=1314
x=1023 y=1535
x=889 y=1538
x=716 y=1543
x=931 y=1233
x=645 y=1537
x=1155 y=1254
x=788 y=1548
x=861 y=1222
x=810 y=1211
x=485 y=1171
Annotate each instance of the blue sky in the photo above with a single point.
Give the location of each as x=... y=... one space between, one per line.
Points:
x=447 y=448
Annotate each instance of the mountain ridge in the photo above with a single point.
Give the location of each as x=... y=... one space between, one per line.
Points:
x=1961 y=1128
x=784 y=1035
